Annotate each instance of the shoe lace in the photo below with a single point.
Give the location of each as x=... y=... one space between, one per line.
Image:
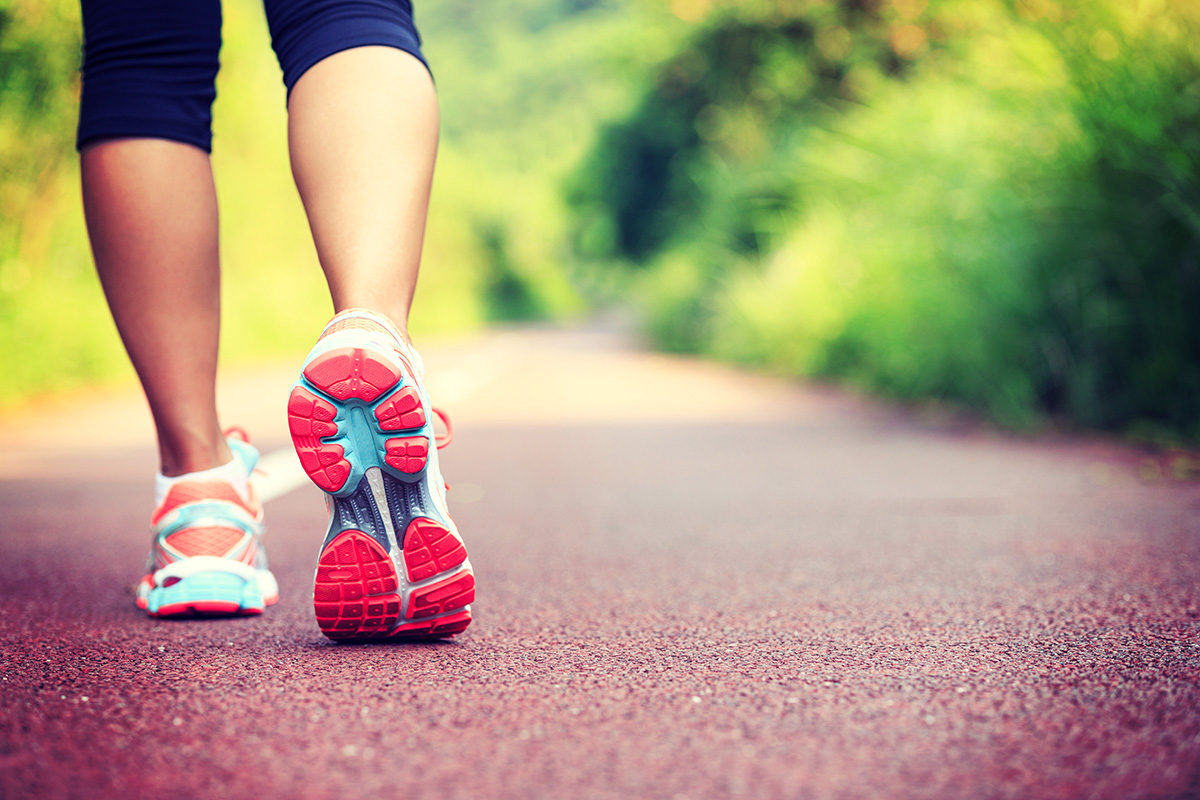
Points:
x=443 y=439
x=236 y=432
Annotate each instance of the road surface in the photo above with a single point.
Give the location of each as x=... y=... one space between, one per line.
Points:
x=693 y=583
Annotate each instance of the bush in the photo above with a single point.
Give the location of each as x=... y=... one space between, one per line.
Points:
x=1010 y=222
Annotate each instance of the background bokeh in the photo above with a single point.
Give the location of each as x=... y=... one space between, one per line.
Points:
x=990 y=204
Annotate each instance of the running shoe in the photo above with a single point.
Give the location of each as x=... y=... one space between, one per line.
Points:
x=392 y=564
x=207 y=557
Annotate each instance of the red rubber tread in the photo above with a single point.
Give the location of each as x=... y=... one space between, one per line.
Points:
x=355 y=594
x=442 y=626
x=352 y=372
x=407 y=455
x=438 y=598
x=455 y=623
x=203 y=609
x=311 y=418
x=401 y=411
x=430 y=548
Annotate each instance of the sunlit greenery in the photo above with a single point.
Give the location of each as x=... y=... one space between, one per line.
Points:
x=523 y=85
x=990 y=202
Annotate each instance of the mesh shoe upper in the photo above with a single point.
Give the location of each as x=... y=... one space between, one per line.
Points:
x=206 y=555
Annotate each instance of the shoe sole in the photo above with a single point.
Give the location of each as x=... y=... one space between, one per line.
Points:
x=391 y=566
x=206 y=594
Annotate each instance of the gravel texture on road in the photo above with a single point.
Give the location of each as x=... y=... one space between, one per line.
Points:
x=693 y=583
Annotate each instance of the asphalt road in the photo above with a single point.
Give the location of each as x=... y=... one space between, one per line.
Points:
x=693 y=583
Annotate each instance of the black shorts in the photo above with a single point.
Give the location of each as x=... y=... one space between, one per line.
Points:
x=150 y=66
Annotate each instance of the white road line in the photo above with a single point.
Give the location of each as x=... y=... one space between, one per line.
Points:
x=278 y=473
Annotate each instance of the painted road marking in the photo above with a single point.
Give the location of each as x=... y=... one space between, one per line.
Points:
x=278 y=473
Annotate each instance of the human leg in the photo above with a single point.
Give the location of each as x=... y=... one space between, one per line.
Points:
x=151 y=206
x=362 y=129
x=152 y=217
x=151 y=212
x=363 y=126
x=363 y=136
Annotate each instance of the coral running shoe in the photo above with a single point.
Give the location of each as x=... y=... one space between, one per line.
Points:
x=207 y=557
x=392 y=564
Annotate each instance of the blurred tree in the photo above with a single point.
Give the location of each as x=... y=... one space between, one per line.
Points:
x=1120 y=269
x=991 y=203
x=748 y=82
x=39 y=59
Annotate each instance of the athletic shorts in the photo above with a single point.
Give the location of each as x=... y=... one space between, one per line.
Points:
x=150 y=66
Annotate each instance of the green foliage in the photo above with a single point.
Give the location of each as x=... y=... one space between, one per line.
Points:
x=995 y=203
x=54 y=330
x=522 y=85
x=1119 y=267
x=997 y=206
x=39 y=55
x=698 y=149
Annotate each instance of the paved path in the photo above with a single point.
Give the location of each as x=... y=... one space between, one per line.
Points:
x=693 y=583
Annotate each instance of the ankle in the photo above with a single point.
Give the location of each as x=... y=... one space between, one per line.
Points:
x=181 y=459
x=232 y=473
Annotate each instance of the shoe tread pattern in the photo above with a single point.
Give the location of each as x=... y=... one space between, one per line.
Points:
x=356 y=590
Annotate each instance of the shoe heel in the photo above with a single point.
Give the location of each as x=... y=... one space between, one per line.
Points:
x=206 y=594
x=353 y=372
x=325 y=434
